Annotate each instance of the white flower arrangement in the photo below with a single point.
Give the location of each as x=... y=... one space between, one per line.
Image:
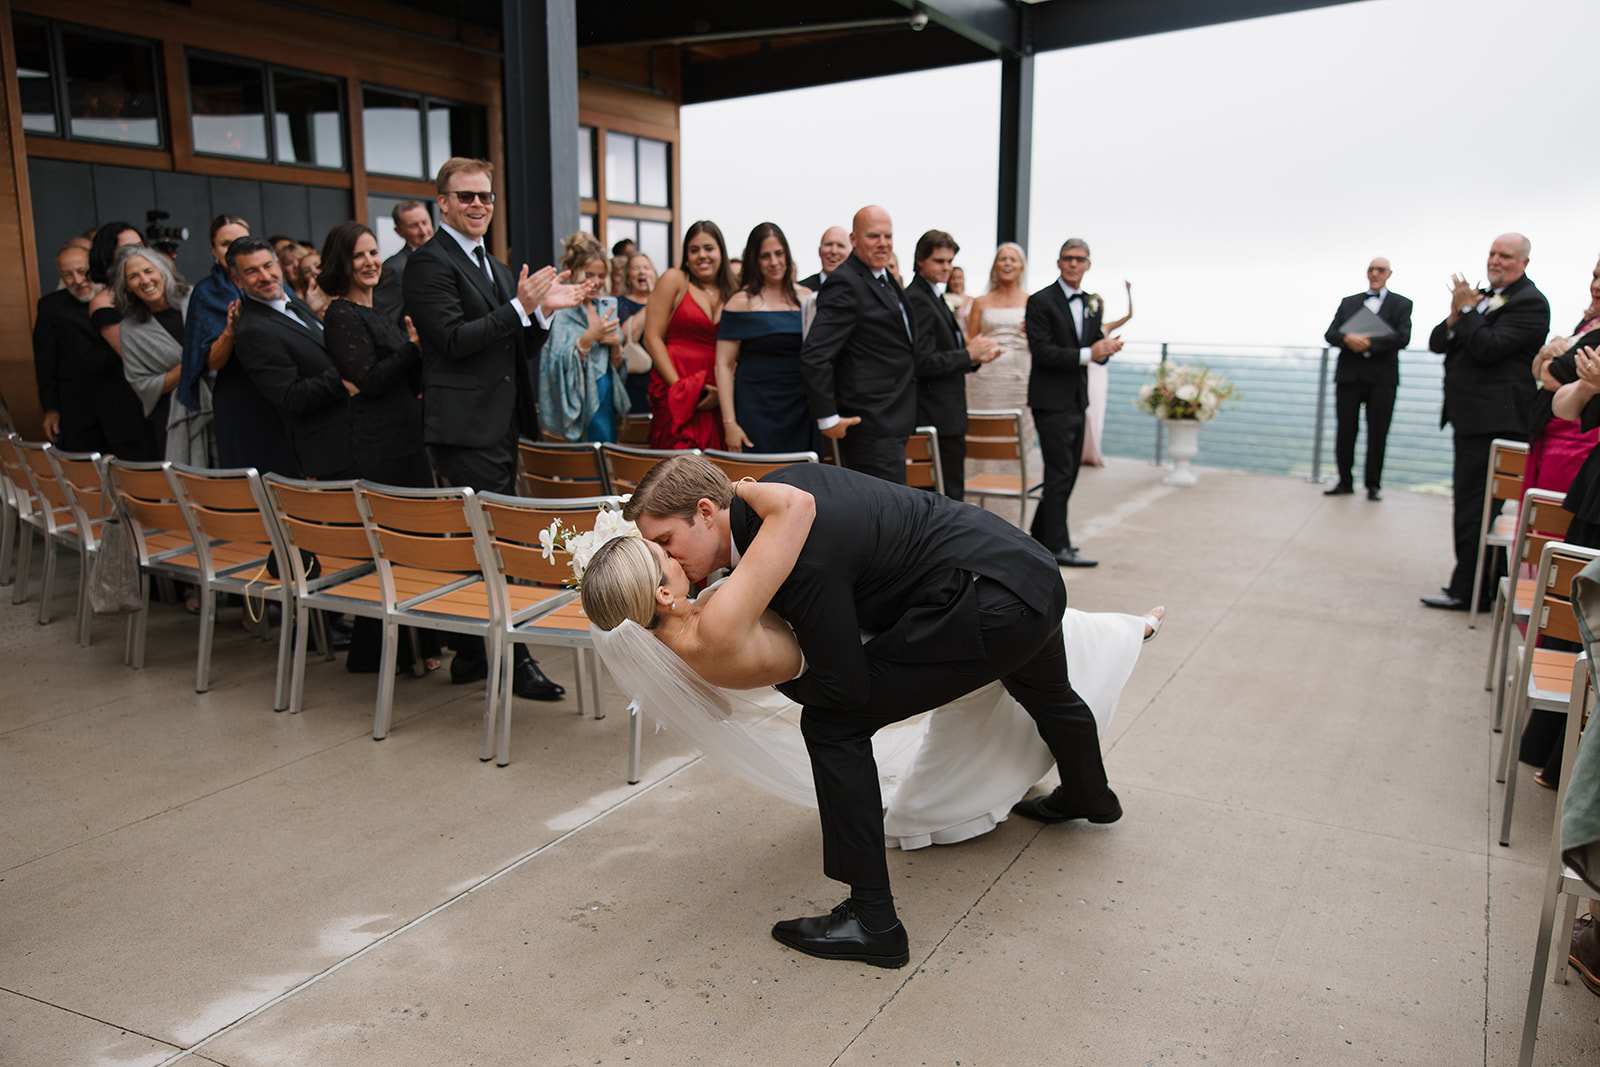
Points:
x=1184 y=391
x=1093 y=305
x=582 y=544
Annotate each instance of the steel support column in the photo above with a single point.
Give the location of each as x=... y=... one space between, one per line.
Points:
x=541 y=127
x=1016 y=148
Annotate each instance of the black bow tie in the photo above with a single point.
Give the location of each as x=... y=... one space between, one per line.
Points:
x=1075 y=296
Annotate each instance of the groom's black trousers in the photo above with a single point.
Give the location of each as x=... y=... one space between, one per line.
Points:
x=1023 y=649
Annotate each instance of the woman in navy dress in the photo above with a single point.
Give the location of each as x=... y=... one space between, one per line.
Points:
x=763 y=398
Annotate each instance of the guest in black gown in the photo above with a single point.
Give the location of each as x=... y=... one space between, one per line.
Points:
x=763 y=397
x=386 y=415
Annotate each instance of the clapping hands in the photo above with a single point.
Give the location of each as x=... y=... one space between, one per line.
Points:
x=1589 y=366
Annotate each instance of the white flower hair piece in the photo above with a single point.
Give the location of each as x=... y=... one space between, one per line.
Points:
x=581 y=545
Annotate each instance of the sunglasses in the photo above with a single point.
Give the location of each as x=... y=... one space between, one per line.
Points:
x=467 y=196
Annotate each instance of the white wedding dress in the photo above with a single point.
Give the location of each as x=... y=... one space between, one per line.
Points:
x=946 y=776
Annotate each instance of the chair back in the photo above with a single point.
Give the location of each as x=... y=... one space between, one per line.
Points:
x=1544 y=520
x=922 y=460
x=1553 y=614
x=320 y=518
x=512 y=527
x=424 y=529
x=561 y=468
x=145 y=497
x=45 y=487
x=994 y=435
x=81 y=476
x=225 y=505
x=1508 y=460
x=635 y=430
x=625 y=465
x=737 y=465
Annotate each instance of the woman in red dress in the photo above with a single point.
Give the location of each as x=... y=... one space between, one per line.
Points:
x=680 y=333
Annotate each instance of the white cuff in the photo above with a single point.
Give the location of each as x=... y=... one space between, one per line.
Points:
x=1086 y=355
x=522 y=315
x=827 y=422
x=543 y=319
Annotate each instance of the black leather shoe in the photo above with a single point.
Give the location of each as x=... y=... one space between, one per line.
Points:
x=1445 y=602
x=1339 y=490
x=1054 y=807
x=1067 y=557
x=339 y=630
x=463 y=672
x=1374 y=494
x=529 y=682
x=839 y=935
x=1584 y=954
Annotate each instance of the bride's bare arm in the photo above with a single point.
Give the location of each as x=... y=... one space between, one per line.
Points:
x=786 y=515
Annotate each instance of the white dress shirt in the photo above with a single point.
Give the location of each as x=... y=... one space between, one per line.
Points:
x=469 y=245
x=1374 y=300
x=1086 y=353
x=281 y=306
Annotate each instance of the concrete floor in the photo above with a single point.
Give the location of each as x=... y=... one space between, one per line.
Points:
x=1306 y=871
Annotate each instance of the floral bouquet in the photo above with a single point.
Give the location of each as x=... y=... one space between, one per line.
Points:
x=1184 y=391
x=581 y=544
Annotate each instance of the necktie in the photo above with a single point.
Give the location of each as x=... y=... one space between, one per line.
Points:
x=883 y=279
x=483 y=265
x=305 y=315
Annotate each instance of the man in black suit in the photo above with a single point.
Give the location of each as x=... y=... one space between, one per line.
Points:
x=1368 y=373
x=1064 y=335
x=857 y=360
x=943 y=357
x=87 y=402
x=279 y=345
x=1489 y=340
x=471 y=315
x=956 y=598
x=834 y=250
x=414 y=225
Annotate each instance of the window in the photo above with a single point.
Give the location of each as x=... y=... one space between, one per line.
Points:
x=87 y=85
x=230 y=100
x=637 y=171
x=410 y=136
x=586 y=223
x=585 y=164
x=654 y=239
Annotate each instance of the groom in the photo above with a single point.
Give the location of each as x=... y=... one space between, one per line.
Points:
x=956 y=598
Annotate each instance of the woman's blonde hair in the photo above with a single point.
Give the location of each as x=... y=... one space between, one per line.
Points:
x=621 y=582
x=578 y=251
x=994 y=276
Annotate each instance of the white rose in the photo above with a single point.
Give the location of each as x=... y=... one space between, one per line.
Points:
x=1208 y=400
x=1188 y=392
x=1147 y=390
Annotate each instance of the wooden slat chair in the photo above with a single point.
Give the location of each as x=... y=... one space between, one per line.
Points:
x=635 y=430
x=997 y=435
x=625 y=465
x=16 y=500
x=1560 y=881
x=425 y=545
x=322 y=518
x=61 y=529
x=561 y=469
x=923 y=469
x=235 y=537
x=737 y=465
x=1544 y=676
x=1507 y=462
x=29 y=519
x=81 y=476
x=1540 y=520
x=532 y=599
x=144 y=498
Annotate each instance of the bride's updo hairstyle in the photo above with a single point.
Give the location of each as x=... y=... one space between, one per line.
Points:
x=673 y=488
x=1008 y=246
x=620 y=583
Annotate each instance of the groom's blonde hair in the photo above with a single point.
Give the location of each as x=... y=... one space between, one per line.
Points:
x=674 y=487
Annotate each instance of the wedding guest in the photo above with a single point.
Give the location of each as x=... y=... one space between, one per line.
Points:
x=249 y=430
x=759 y=387
x=955 y=294
x=833 y=250
x=638 y=281
x=1099 y=389
x=680 y=333
x=1002 y=383
x=370 y=351
x=87 y=403
x=150 y=297
x=624 y=247
x=1368 y=373
x=894 y=270
x=413 y=224
x=616 y=277
x=212 y=318
x=583 y=394
x=108 y=239
x=289 y=266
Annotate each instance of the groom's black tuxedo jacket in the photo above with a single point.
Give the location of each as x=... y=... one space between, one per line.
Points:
x=1379 y=364
x=942 y=361
x=1058 y=381
x=897 y=562
x=287 y=362
x=857 y=358
x=1488 y=380
x=474 y=353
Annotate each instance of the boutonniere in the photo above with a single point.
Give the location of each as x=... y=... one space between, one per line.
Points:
x=1495 y=301
x=1092 y=305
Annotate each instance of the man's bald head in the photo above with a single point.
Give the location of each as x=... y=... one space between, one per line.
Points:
x=72 y=264
x=1378 y=272
x=1508 y=259
x=835 y=248
x=872 y=237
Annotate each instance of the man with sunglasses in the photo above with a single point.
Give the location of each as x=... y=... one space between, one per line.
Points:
x=473 y=318
x=1064 y=335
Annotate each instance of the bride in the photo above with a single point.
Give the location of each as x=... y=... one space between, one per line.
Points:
x=701 y=665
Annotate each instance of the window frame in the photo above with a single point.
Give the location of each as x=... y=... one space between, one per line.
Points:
x=58 y=75
x=425 y=102
x=269 y=108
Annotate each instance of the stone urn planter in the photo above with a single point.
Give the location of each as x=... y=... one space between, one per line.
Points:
x=1183 y=444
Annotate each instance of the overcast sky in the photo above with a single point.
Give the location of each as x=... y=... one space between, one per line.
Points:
x=1241 y=176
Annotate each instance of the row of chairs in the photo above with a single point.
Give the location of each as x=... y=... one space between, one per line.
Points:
x=445 y=559
x=1524 y=675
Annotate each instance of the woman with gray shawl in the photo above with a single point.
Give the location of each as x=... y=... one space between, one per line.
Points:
x=152 y=297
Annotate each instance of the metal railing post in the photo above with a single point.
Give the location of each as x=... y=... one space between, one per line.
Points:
x=1322 y=407
x=1160 y=428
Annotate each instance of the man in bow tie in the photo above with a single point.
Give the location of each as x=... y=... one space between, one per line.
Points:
x=944 y=357
x=1488 y=340
x=1368 y=373
x=1064 y=336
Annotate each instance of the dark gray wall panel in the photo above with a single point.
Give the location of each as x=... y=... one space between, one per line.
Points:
x=187 y=198
x=329 y=207
x=123 y=193
x=235 y=196
x=63 y=206
x=285 y=210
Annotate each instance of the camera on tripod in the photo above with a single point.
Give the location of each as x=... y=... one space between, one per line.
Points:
x=163 y=238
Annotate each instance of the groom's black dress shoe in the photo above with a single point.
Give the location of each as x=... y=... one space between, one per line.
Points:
x=1339 y=490
x=1445 y=602
x=839 y=935
x=1068 y=557
x=1374 y=494
x=529 y=682
x=1053 y=807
